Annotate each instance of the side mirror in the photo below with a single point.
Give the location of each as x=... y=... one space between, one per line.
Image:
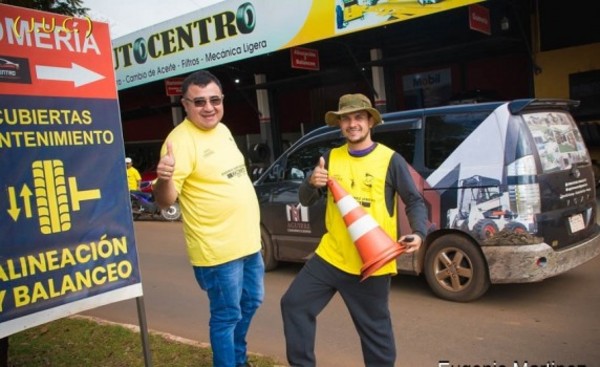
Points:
x=296 y=174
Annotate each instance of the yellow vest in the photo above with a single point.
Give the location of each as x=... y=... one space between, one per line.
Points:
x=364 y=179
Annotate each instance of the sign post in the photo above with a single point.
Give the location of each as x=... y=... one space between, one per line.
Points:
x=65 y=216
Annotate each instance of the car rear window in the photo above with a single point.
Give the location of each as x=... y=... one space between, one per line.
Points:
x=558 y=141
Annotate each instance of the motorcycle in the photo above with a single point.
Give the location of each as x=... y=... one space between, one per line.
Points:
x=143 y=204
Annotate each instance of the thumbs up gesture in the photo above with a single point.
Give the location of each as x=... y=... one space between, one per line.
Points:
x=319 y=175
x=166 y=165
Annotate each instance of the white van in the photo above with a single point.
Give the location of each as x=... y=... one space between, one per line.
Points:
x=509 y=188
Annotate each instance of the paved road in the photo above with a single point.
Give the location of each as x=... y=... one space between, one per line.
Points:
x=555 y=321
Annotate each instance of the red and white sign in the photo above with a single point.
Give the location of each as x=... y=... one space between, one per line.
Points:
x=173 y=86
x=479 y=19
x=56 y=55
x=304 y=58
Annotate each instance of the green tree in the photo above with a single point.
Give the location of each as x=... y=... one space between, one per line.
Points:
x=65 y=7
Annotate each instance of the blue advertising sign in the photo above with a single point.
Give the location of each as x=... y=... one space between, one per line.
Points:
x=67 y=241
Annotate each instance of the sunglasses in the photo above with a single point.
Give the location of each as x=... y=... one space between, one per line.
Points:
x=201 y=102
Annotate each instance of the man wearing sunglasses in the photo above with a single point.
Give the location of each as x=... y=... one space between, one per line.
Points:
x=202 y=167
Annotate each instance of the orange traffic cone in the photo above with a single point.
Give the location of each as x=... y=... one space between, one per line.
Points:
x=374 y=246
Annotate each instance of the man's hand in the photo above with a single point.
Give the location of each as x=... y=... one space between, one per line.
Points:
x=411 y=243
x=319 y=175
x=163 y=187
x=166 y=165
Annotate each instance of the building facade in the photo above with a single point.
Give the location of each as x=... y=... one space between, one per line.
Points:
x=520 y=49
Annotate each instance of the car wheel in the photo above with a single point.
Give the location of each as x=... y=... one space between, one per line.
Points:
x=172 y=213
x=455 y=269
x=267 y=250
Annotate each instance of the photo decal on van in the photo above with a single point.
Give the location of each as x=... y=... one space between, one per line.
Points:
x=297 y=218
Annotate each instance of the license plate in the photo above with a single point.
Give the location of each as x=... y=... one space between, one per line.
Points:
x=576 y=223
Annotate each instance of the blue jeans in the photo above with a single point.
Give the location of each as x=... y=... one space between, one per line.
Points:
x=235 y=291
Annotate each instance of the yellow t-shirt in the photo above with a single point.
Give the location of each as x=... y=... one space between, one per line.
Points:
x=364 y=179
x=219 y=205
x=133 y=177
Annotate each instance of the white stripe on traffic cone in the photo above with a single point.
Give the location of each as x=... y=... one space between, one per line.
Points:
x=374 y=246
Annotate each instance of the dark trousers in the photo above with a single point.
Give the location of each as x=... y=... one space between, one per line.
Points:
x=367 y=302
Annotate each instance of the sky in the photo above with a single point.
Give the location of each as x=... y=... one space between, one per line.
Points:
x=127 y=16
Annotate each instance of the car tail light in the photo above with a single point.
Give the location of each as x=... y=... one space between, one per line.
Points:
x=524 y=192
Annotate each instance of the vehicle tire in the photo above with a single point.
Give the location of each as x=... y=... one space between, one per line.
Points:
x=140 y=50
x=516 y=227
x=267 y=250
x=485 y=229
x=339 y=17
x=246 y=18
x=172 y=213
x=455 y=269
x=51 y=196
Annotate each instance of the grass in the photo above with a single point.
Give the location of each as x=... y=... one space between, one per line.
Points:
x=77 y=342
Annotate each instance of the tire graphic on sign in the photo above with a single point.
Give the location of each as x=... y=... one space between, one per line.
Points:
x=51 y=196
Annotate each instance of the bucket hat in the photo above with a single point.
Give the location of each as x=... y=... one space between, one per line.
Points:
x=352 y=103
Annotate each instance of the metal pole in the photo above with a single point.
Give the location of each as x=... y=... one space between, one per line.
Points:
x=144 y=331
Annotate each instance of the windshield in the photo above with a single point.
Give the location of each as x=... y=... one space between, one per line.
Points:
x=558 y=140
x=295 y=165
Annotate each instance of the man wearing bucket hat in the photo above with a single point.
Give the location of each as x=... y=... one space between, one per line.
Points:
x=375 y=176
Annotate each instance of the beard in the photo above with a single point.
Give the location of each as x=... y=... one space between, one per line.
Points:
x=357 y=139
